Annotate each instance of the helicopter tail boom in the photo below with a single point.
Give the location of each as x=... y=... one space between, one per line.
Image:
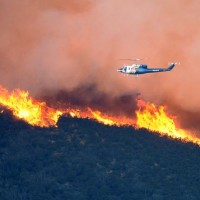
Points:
x=171 y=67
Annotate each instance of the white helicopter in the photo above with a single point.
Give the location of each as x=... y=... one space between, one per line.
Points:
x=136 y=69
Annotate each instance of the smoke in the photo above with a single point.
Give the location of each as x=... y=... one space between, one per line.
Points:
x=87 y=96
x=65 y=45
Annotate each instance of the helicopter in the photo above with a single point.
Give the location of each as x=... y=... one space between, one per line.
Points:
x=137 y=69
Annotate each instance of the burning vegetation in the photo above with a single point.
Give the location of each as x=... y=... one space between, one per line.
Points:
x=24 y=107
x=149 y=116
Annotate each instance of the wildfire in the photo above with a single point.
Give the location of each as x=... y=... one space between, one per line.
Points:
x=149 y=116
x=155 y=118
x=24 y=107
x=102 y=118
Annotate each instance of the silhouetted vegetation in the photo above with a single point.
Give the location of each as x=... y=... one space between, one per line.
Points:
x=84 y=160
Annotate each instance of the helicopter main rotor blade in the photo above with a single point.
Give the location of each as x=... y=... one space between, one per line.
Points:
x=132 y=59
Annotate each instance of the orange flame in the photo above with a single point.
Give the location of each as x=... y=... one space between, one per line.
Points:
x=156 y=119
x=26 y=108
x=149 y=116
x=102 y=118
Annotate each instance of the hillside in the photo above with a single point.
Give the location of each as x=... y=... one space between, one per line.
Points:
x=83 y=160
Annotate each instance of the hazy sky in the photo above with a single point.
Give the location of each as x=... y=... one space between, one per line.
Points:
x=62 y=45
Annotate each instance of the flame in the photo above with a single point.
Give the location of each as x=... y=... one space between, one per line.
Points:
x=24 y=107
x=149 y=116
x=156 y=118
x=101 y=117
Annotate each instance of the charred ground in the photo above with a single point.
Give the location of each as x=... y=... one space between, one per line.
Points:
x=81 y=159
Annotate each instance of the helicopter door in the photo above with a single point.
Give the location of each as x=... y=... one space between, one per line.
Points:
x=128 y=69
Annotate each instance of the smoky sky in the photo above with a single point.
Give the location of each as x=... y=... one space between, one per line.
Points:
x=59 y=45
x=88 y=96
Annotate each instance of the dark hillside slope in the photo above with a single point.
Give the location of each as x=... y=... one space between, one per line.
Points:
x=82 y=159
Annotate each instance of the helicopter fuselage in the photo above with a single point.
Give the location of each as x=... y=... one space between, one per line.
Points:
x=143 y=69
